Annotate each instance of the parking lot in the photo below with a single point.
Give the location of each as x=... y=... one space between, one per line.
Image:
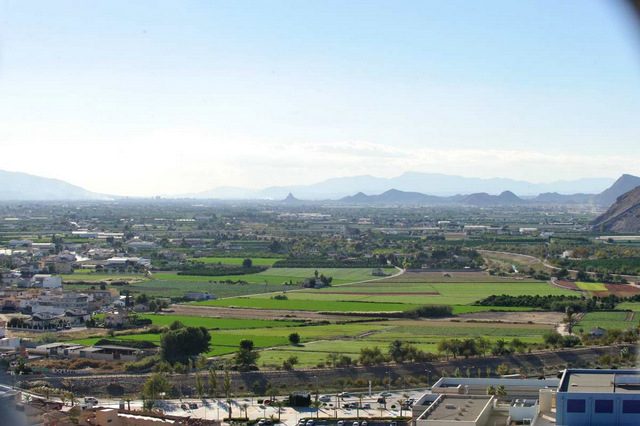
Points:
x=350 y=409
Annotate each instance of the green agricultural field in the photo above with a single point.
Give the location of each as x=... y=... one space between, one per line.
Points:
x=632 y=306
x=101 y=277
x=308 y=305
x=466 y=309
x=607 y=320
x=282 y=275
x=591 y=286
x=424 y=334
x=219 y=323
x=423 y=293
x=257 y=261
x=176 y=289
x=383 y=296
x=454 y=277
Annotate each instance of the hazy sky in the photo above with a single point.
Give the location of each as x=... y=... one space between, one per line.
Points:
x=144 y=98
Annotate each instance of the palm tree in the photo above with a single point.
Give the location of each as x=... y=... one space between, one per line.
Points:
x=199 y=385
x=401 y=402
x=213 y=381
x=226 y=383
x=317 y=405
x=245 y=407
x=279 y=405
x=491 y=390
x=501 y=391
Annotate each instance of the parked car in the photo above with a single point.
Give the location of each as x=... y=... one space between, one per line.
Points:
x=366 y=406
x=353 y=405
x=393 y=424
x=325 y=398
x=302 y=422
x=91 y=400
x=193 y=405
x=381 y=400
x=311 y=422
x=385 y=393
x=262 y=422
x=183 y=406
x=344 y=395
x=355 y=424
x=267 y=402
x=363 y=423
x=341 y=423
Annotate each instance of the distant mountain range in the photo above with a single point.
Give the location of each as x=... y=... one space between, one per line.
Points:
x=623 y=216
x=445 y=189
x=24 y=187
x=395 y=196
x=425 y=183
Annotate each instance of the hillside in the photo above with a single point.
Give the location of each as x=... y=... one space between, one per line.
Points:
x=624 y=184
x=623 y=216
x=25 y=187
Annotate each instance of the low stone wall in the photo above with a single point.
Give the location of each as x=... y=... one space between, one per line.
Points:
x=305 y=379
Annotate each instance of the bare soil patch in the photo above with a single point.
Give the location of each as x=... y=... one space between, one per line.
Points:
x=377 y=293
x=551 y=318
x=244 y=313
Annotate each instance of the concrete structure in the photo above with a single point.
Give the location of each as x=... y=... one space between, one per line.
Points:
x=464 y=410
x=46 y=281
x=599 y=397
x=116 y=318
x=102 y=352
x=579 y=398
x=198 y=295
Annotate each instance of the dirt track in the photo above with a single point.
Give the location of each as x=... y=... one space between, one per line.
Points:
x=225 y=312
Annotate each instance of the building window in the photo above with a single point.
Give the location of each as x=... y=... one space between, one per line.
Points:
x=631 y=406
x=604 y=406
x=575 y=405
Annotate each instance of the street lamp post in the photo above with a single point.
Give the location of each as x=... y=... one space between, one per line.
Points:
x=428 y=376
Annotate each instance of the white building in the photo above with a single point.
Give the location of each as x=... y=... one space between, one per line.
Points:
x=46 y=281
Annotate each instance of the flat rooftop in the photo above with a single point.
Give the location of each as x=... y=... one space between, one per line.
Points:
x=600 y=381
x=456 y=408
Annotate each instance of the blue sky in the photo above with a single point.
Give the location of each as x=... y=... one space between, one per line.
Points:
x=170 y=97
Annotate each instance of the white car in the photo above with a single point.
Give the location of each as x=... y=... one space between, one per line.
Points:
x=341 y=423
x=91 y=400
x=325 y=398
x=385 y=394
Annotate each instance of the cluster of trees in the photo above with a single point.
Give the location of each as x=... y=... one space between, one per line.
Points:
x=444 y=257
x=557 y=303
x=314 y=262
x=611 y=337
x=609 y=261
x=246 y=357
x=180 y=342
x=480 y=346
x=429 y=311
x=557 y=340
x=547 y=302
